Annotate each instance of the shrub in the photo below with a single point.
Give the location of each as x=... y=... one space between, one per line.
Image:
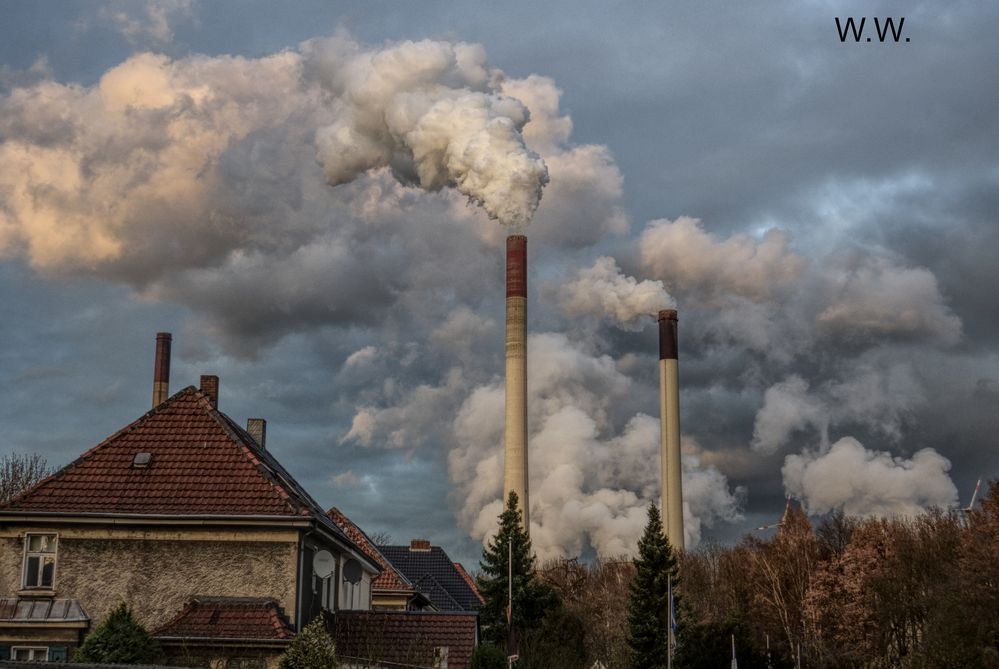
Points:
x=119 y=639
x=312 y=648
x=488 y=656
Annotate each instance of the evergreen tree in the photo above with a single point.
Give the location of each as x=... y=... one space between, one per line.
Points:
x=648 y=601
x=531 y=598
x=312 y=648
x=119 y=639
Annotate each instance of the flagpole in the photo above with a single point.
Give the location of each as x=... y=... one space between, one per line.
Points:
x=669 y=622
x=509 y=603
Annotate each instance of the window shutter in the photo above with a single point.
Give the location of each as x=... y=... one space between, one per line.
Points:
x=4 y=652
x=58 y=654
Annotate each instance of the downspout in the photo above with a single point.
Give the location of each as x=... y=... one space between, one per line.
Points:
x=299 y=580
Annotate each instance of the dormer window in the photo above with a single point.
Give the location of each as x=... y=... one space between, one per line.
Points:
x=39 y=561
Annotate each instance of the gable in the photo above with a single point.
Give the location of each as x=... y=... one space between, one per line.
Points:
x=199 y=465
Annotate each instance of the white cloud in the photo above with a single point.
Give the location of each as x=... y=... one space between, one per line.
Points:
x=865 y=482
x=878 y=298
x=602 y=290
x=685 y=257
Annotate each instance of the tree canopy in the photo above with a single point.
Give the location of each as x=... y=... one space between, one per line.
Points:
x=648 y=602
x=532 y=599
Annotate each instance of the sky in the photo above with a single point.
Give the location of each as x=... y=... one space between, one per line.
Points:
x=313 y=197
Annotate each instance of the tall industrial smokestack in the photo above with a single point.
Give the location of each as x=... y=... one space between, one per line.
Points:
x=515 y=436
x=161 y=369
x=669 y=417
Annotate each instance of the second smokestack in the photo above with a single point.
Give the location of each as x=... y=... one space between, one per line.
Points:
x=161 y=369
x=669 y=417
x=515 y=434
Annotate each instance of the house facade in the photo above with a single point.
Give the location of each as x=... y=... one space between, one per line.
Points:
x=186 y=517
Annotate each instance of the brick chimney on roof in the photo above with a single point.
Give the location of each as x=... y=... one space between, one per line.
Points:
x=210 y=387
x=419 y=545
x=161 y=369
x=257 y=427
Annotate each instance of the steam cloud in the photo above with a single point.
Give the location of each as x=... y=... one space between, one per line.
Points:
x=603 y=290
x=864 y=482
x=430 y=112
x=590 y=478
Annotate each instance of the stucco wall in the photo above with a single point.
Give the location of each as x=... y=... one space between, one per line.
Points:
x=10 y=565
x=157 y=576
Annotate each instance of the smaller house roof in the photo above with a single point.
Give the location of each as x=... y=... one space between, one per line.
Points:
x=431 y=568
x=390 y=578
x=406 y=637
x=471 y=581
x=28 y=610
x=252 y=619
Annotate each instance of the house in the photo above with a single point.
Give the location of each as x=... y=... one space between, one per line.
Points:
x=391 y=590
x=414 y=621
x=429 y=639
x=187 y=517
x=446 y=584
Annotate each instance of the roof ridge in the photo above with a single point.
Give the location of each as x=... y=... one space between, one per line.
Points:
x=388 y=563
x=90 y=452
x=228 y=425
x=441 y=587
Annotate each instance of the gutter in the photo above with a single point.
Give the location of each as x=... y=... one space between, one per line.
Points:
x=191 y=520
x=300 y=580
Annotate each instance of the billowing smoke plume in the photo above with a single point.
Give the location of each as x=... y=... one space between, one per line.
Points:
x=429 y=111
x=194 y=180
x=591 y=482
x=878 y=395
x=863 y=482
x=787 y=408
x=681 y=253
x=875 y=298
x=602 y=290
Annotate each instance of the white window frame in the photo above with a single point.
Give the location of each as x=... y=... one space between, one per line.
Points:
x=33 y=651
x=27 y=553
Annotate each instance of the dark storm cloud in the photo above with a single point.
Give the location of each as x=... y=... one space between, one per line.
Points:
x=878 y=163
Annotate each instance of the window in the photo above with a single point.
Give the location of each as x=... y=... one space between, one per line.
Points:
x=39 y=560
x=28 y=654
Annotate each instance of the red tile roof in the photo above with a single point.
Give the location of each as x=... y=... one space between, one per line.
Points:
x=471 y=581
x=409 y=637
x=202 y=463
x=228 y=618
x=390 y=578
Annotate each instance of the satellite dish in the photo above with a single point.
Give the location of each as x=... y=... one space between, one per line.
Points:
x=352 y=571
x=322 y=564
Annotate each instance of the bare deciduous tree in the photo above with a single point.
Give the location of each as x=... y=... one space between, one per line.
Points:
x=20 y=472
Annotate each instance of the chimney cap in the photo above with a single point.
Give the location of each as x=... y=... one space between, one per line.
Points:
x=668 y=315
x=164 y=335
